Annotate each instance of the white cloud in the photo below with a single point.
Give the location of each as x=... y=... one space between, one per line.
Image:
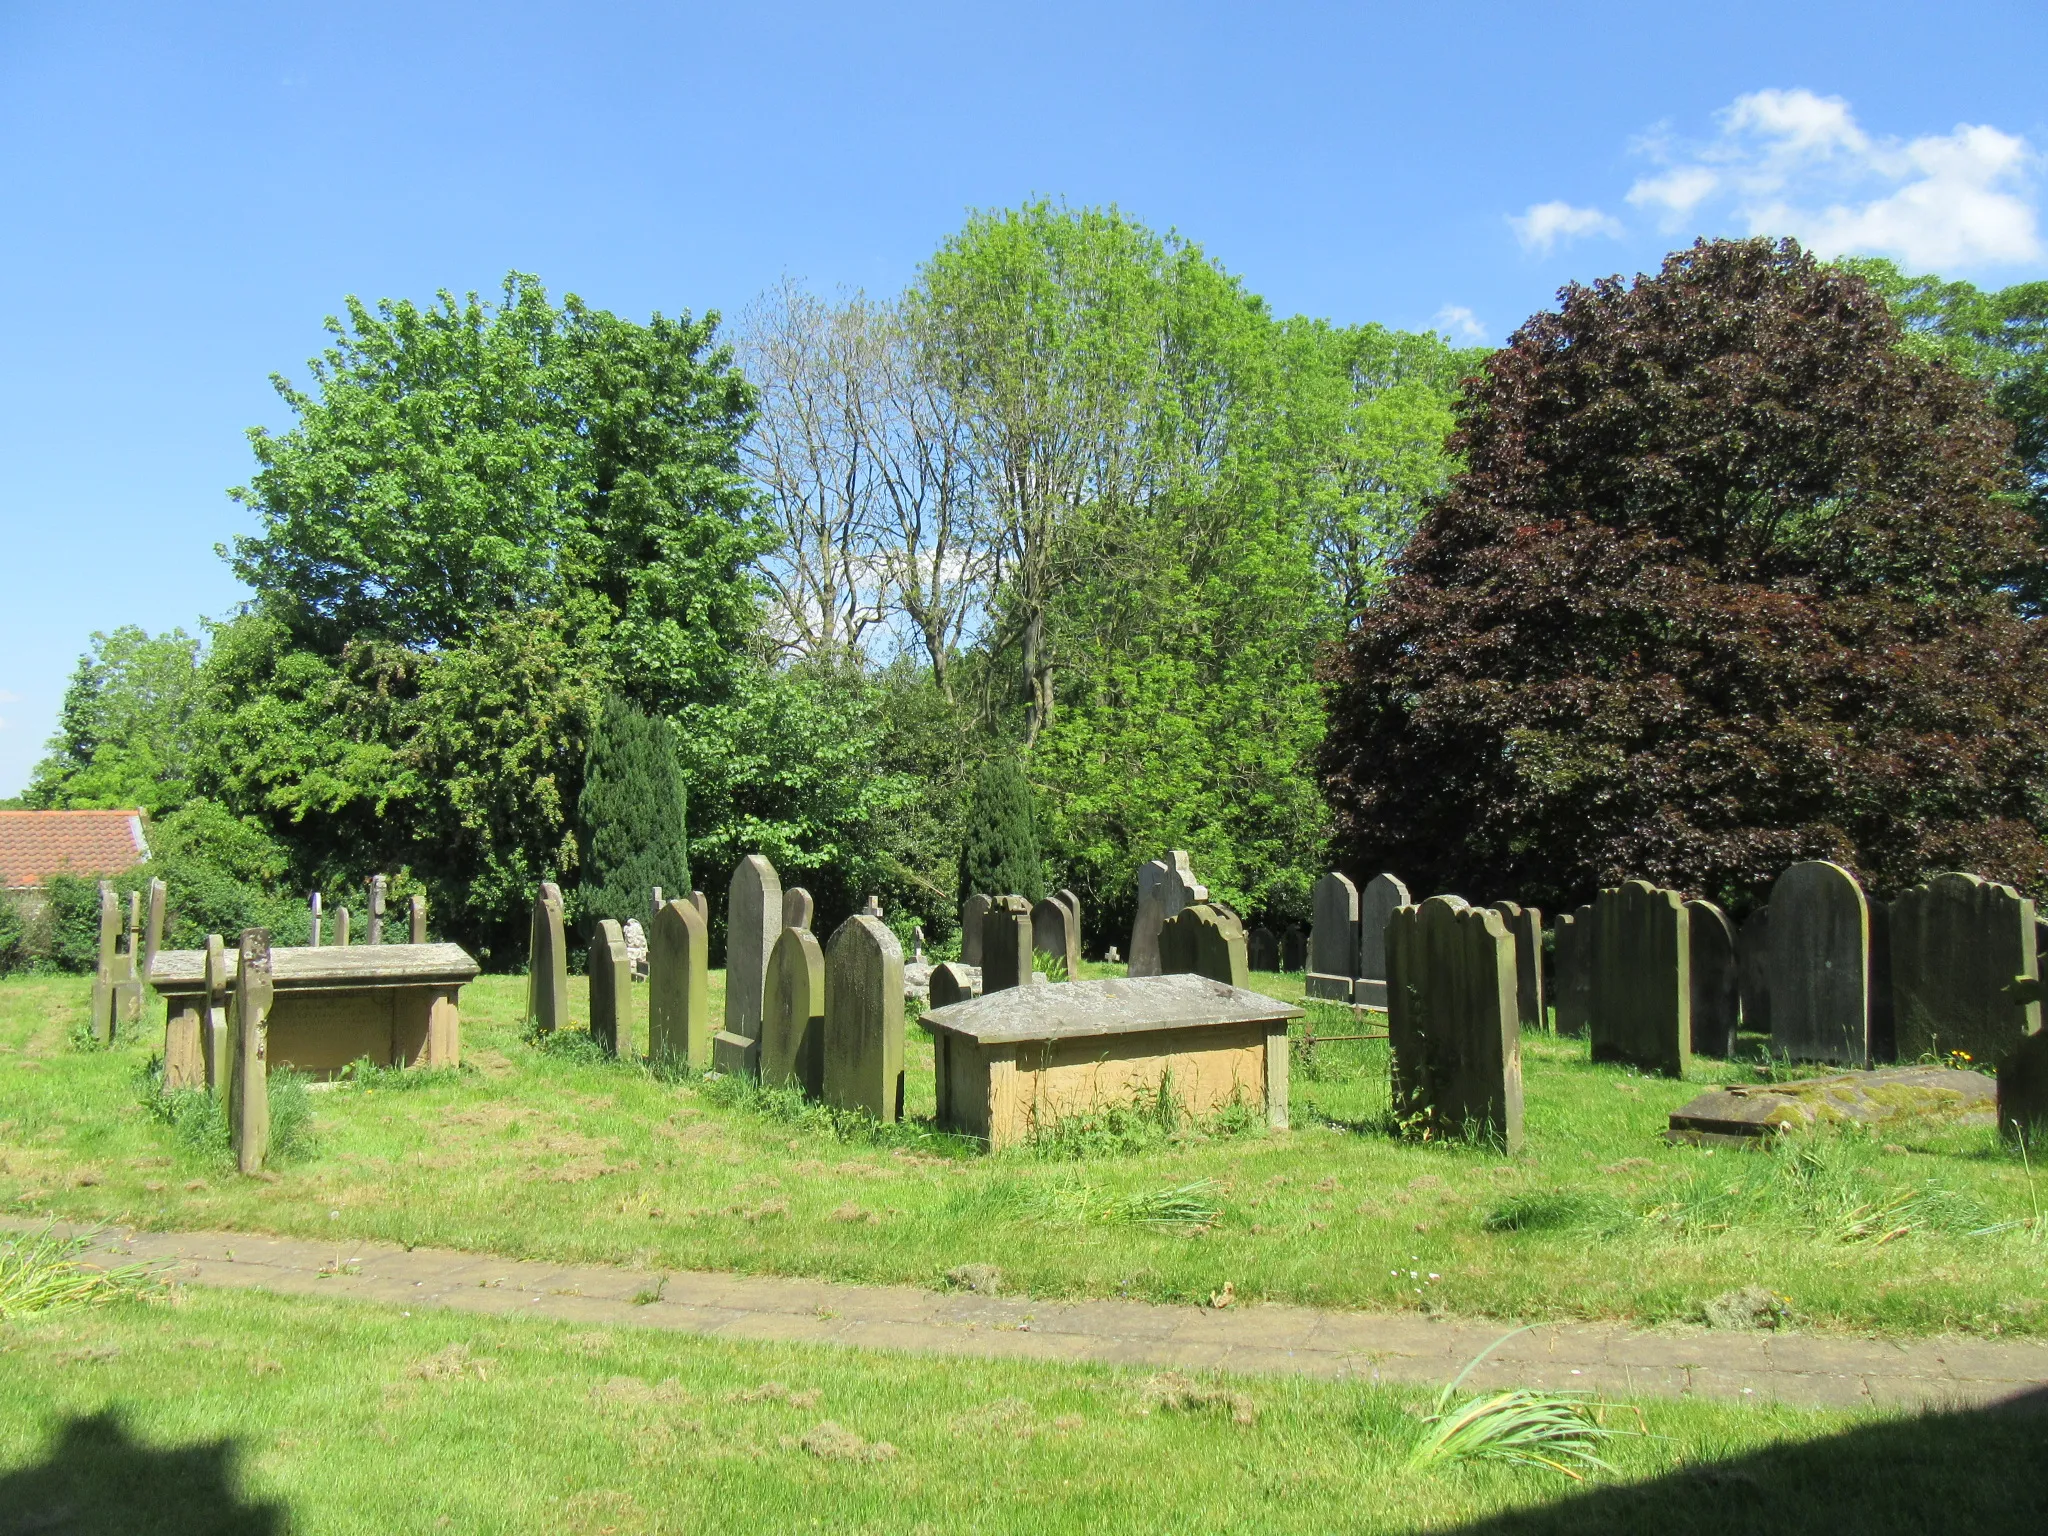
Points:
x=1545 y=224
x=1459 y=323
x=1795 y=163
x=9 y=698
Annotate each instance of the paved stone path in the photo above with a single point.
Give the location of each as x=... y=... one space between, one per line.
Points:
x=1800 y=1369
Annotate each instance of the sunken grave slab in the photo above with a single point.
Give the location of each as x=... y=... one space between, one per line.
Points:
x=1014 y=1062
x=1887 y=1098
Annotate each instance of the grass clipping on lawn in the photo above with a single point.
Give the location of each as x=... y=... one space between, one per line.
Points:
x=1522 y=1427
x=41 y=1272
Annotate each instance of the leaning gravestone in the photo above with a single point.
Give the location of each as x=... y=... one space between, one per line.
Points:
x=753 y=920
x=1006 y=944
x=1333 y=943
x=1452 y=1022
x=1716 y=996
x=1641 y=997
x=1204 y=940
x=1820 y=965
x=1262 y=949
x=1753 y=970
x=611 y=990
x=1959 y=943
x=1056 y=931
x=864 y=1016
x=1152 y=879
x=954 y=983
x=547 y=967
x=972 y=911
x=797 y=909
x=1382 y=897
x=1573 y=970
x=1526 y=925
x=679 y=987
x=793 y=1014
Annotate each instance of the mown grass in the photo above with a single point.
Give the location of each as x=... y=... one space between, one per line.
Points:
x=554 y=1152
x=239 y=1412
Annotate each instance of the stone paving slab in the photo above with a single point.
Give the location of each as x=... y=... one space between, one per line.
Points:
x=1803 y=1370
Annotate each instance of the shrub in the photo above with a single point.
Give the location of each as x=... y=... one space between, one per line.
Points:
x=1000 y=855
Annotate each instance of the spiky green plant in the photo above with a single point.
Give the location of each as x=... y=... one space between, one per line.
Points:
x=42 y=1272
x=1557 y=1430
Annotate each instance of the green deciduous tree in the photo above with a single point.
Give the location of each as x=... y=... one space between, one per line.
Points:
x=631 y=814
x=1000 y=854
x=130 y=729
x=1718 y=591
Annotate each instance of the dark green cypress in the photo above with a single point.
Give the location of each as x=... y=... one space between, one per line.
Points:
x=631 y=815
x=1000 y=855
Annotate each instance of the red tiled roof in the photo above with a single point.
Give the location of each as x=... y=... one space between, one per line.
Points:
x=37 y=844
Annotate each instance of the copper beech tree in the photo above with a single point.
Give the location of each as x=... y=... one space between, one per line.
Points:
x=1720 y=589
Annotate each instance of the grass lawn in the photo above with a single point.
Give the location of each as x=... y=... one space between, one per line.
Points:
x=550 y=1154
x=236 y=1413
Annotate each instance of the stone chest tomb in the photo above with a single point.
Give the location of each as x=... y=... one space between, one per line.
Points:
x=1014 y=1062
x=394 y=1003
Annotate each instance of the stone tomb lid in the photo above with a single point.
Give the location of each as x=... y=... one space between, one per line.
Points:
x=1890 y=1096
x=1118 y=1005
x=302 y=968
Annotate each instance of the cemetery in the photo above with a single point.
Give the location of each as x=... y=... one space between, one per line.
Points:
x=708 y=1016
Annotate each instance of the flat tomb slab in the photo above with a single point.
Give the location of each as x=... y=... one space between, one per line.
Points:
x=1890 y=1096
x=306 y=968
x=1013 y=1063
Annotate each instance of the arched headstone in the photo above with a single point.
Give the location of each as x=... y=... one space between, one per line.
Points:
x=1056 y=931
x=1333 y=942
x=679 y=987
x=864 y=1017
x=1574 y=970
x=547 y=969
x=797 y=909
x=1452 y=1022
x=953 y=983
x=1262 y=949
x=1152 y=881
x=1959 y=943
x=1820 y=965
x=1006 y=944
x=1641 y=1001
x=1293 y=948
x=1204 y=940
x=753 y=919
x=611 y=990
x=793 y=1014
x=1716 y=992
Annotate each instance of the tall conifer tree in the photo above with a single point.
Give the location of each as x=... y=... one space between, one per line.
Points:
x=1000 y=855
x=632 y=815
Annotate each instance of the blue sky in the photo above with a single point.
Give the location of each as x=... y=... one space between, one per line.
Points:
x=186 y=191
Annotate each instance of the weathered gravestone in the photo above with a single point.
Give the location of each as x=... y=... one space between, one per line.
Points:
x=1753 y=970
x=1333 y=942
x=703 y=908
x=1262 y=949
x=1525 y=926
x=153 y=930
x=972 y=911
x=2023 y=1090
x=797 y=909
x=1574 y=971
x=1152 y=881
x=954 y=983
x=1056 y=931
x=793 y=1014
x=1716 y=994
x=416 y=920
x=679 y=987
x=635 y=934
x=1641 y=999
x=128 y=973
x=313 y=905
x=1006 y=944
x=377 y=891
x=108 y=958
x=248 y=1026
x=341 y=927
x=1820 y=965
x=1182 y=889
x=188 y=1049
x=864 y=1016
x=1959 y=944
x=1382 y=897
x=611 y=990
x=547 y=966
x=1891 y=1098
x=217 y=981
x=1204 y=940
x=753 y=921
x=1452 y=1022
x=1884 y=1041
x=1293 y=949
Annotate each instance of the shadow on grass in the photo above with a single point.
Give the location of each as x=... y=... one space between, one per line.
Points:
x=1981 y=1471
x=97 y=1478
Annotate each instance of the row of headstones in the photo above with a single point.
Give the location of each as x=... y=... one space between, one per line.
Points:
x=121 y=970
x=1052 y=927
x=826 y=1019
x=999 y=935
x=416 y=918
x=1347 y=952
x=1951 y=965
